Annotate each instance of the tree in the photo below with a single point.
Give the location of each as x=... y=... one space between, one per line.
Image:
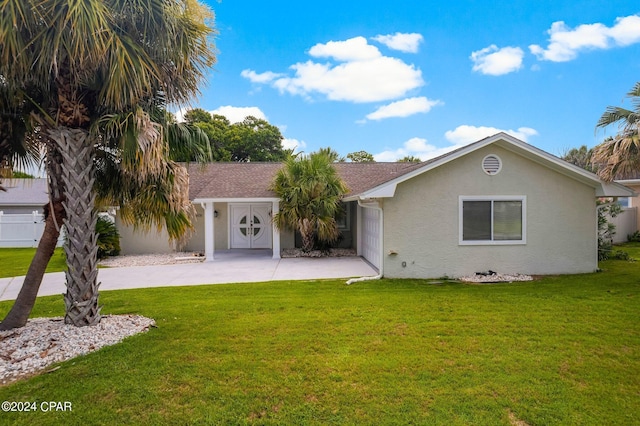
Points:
x=310 y=191
x=581 y=157
x=253 y=139
x=93 y=65
x=333 y=155
x=15 y=149
x=197 y=115
x=360 y=157
x=619 y=157
x=409 y=159
x=142 y=204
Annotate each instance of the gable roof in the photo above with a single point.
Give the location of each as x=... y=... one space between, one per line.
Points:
x=231 y=181
x=24 y=192
x=240 y=181
x=508 y=142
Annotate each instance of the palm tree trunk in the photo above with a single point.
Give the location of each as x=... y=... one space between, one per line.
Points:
x=21 y=309
x=54 y=216
x=81 y=298
x=306 y=232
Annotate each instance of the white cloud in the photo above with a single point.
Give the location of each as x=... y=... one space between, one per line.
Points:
x=254 y=77
x=466 y=134
x=626 y=31
x=403 y=42
x=354 y=49
x=494 y=61
x=363 y=74
x=238 y=114
x=404 y=108
x=294 y=144
x=416 y=147
x=565 y=43
x=460 y=137
x=179 y=114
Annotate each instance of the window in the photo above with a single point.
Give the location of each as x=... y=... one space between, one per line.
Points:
x=624 y=202
x=344 y=219
x=492 y=220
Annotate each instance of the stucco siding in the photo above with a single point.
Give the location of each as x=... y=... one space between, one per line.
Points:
x=196 y=241
x=421 y=222
x=635 y=202
x=139 y=242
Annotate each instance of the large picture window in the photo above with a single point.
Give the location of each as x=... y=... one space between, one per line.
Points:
x=492 y=220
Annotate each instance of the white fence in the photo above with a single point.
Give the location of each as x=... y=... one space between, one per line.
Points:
x=626 y=224
x=22 y=230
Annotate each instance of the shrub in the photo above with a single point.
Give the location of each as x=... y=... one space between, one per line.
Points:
x=634 y=238
x=108 y=238
x=606 y=229
x=619 y=255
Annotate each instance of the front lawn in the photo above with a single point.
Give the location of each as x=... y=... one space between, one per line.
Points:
x=562 y=350
x=14 y=262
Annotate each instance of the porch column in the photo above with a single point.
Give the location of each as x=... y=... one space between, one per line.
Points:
x=359 y=230
x=209 y=231
x=276 y=232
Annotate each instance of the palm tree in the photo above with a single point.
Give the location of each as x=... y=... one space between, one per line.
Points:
x=310 y=192
x=88 y=61
x=619 y=157
x=160 y=201
x=21 y=145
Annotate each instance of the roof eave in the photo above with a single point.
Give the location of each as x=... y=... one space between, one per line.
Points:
x=602 y=188
x=234 y=200
x=614 y=189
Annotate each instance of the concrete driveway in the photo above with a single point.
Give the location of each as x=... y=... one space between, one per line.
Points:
x=229 y=267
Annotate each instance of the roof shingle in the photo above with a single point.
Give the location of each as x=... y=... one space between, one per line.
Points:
x=252 y=180
x=24 y=192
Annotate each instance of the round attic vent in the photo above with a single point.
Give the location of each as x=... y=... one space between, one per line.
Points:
x=491 y=164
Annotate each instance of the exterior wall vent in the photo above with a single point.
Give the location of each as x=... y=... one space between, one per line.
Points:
x=491 y=164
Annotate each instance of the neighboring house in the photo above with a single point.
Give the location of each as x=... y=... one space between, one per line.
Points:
x=498 y=204
x=628 y=221
x=21 y=212
x=23 y=195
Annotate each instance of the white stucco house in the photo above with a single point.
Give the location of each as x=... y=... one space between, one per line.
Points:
x=498 y=204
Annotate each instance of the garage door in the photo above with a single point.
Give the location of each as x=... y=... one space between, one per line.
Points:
x=371 y=238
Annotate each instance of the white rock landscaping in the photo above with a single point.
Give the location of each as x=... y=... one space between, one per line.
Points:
x=46 y=341
x=495 y=278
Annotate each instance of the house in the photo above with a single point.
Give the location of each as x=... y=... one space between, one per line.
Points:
x=628 y=221
x=21 y=212
x=497 y=204
x=23 y=196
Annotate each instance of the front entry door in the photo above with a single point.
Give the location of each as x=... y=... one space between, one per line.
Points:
x=250 y=226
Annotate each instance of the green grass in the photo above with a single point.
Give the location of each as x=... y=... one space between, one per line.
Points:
x=15 y=262
x=558 y=351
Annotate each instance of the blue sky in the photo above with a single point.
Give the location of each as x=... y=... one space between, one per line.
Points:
x=424 y=77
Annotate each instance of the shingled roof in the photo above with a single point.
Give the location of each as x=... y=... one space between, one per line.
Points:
x=252 y=180
x=24 y=192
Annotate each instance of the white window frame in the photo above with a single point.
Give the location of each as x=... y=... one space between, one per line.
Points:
x=463 y=198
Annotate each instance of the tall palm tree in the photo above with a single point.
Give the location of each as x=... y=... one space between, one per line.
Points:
x=310 y=192
x=89 y=60
x=161 y=201
x=619 y=157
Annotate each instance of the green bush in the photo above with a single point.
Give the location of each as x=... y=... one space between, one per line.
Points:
x=634 y=238
x=108 y=238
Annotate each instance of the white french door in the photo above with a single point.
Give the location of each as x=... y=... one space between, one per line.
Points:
x=250 y=226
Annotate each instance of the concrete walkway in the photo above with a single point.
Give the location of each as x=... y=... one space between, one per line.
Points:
x=229 y=267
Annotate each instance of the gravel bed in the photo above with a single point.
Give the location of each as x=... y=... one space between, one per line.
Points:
x=318 y=253
x=496 y=278
x=195 y=257
x=45 y=341
x=152 y=259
